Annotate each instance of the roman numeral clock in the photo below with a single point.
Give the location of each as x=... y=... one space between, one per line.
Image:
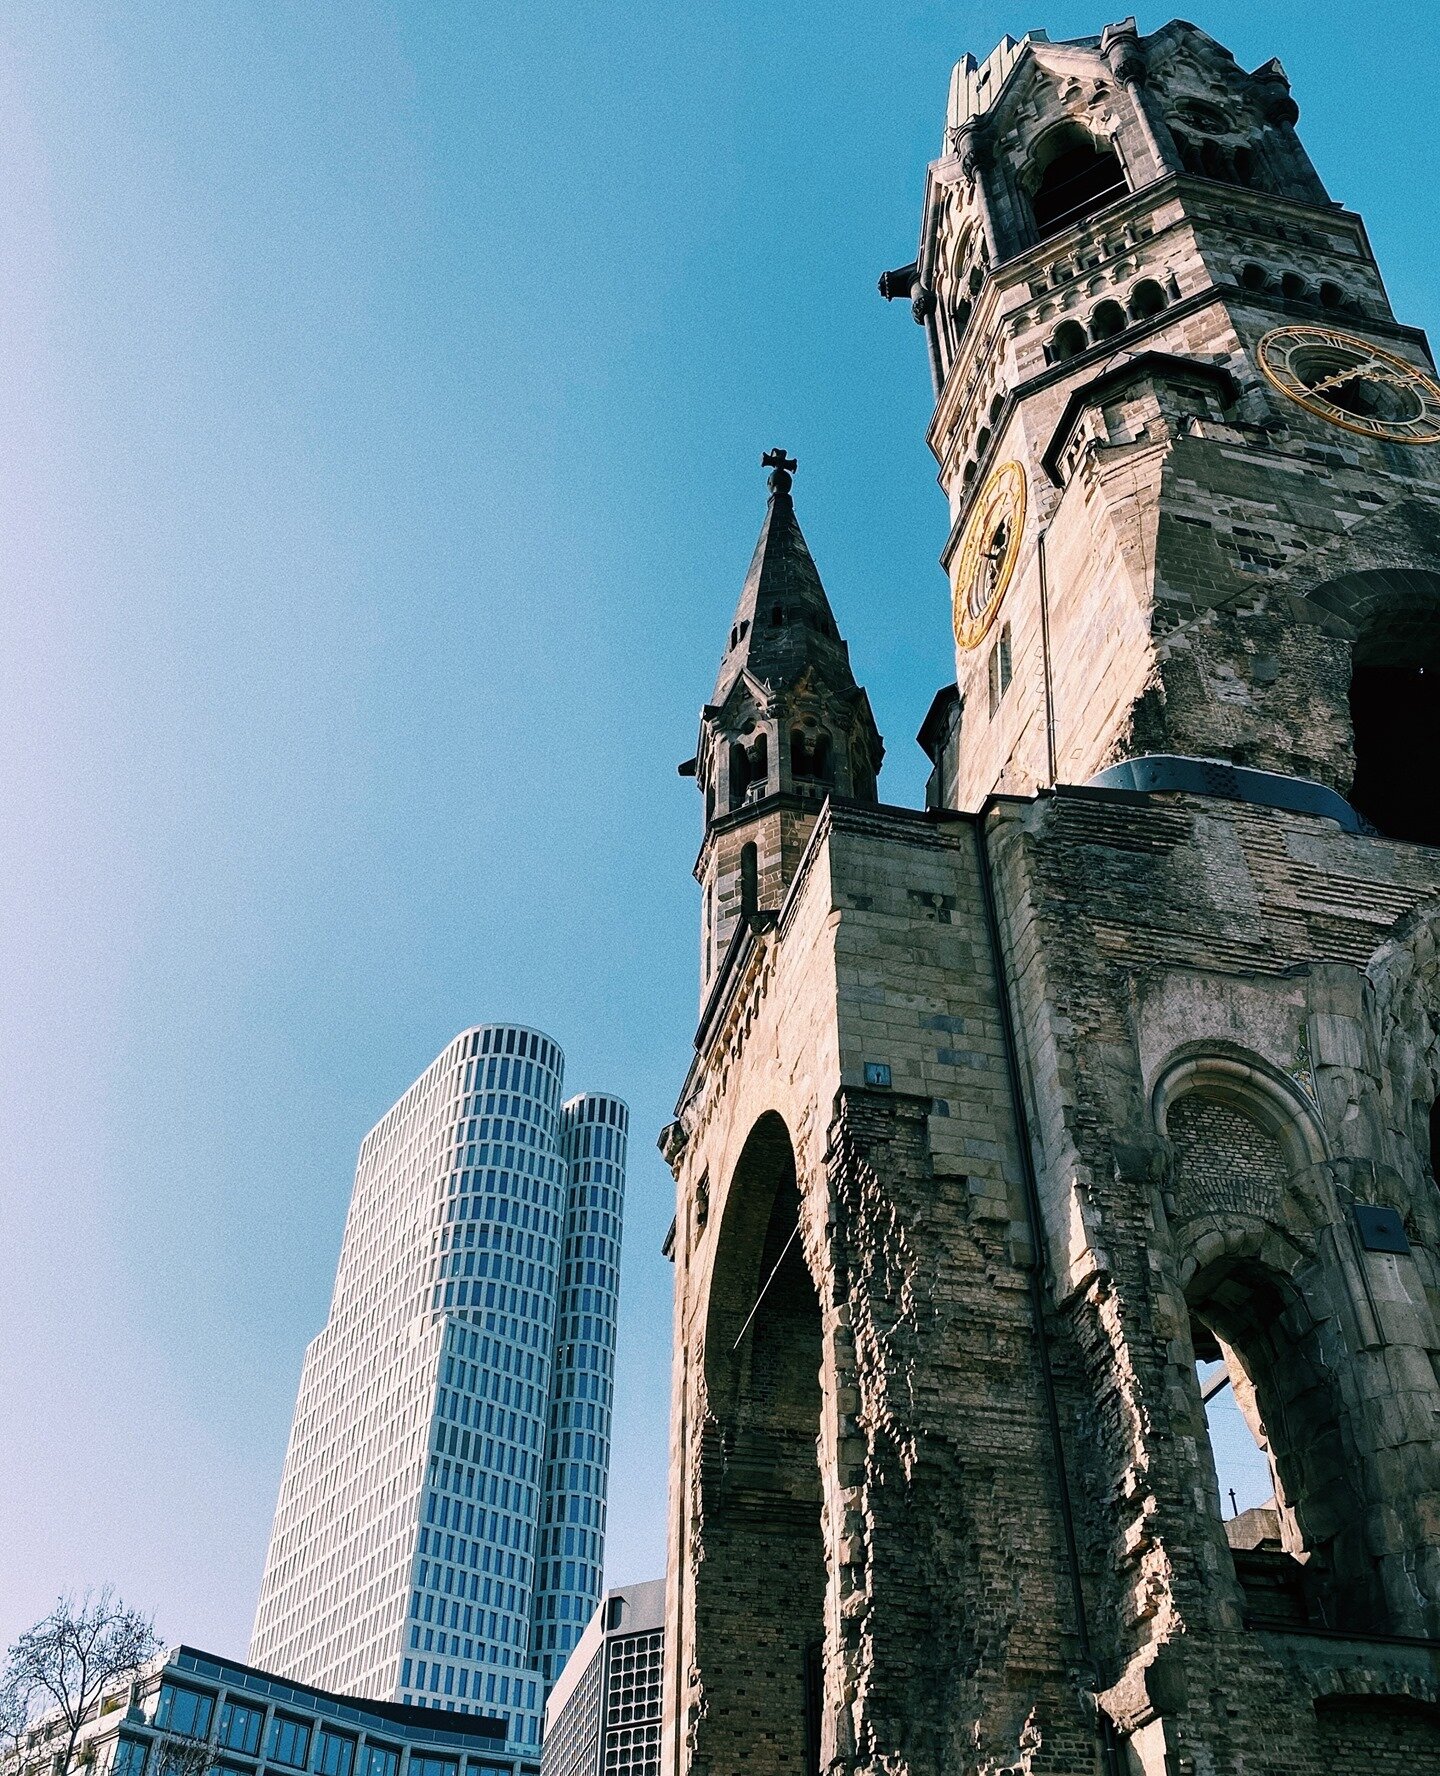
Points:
x=1353 y=384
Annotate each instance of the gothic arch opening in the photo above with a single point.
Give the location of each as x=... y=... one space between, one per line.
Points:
x=1268 y=1389
x=749 y=770
x=811 y=756
x=760 y=1585
x=1071 y=175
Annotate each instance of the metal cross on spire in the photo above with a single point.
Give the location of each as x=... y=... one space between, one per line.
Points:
x=781 y=468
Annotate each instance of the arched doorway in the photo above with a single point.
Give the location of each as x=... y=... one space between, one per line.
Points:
x=760 y=1583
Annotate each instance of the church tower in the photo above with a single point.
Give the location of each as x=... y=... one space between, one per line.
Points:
x=786 y=727
x=1026 y=1131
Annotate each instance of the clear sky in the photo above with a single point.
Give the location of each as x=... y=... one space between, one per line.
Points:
x=381 y=395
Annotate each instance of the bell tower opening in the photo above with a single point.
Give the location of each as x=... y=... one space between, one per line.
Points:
x=1073 y=176
x=761 y=1610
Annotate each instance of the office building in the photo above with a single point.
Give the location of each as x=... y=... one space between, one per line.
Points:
x=191 y=1713
x=603 y=1716
x=428 y=1537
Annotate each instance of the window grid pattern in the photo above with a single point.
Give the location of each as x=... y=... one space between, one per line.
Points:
x=632 y=1705
x=402 y=1562
x=594 y=1133
x=570 y=1748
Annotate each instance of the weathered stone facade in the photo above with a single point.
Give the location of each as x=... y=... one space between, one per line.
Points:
x=1004 y=1113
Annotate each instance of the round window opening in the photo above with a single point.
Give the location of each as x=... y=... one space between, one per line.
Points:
x=992 y=563
x=1361 y=389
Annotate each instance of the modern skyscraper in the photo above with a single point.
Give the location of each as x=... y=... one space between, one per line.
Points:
x=572 y=1528
x=417 y=1494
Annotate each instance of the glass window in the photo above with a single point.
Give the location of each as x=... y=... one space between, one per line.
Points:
x=424 y=1764
x=184 y=1711
x=240 y=1727
x=130 y=1756
x=379 y=1760
x=336 y=1754
x=289 y=1741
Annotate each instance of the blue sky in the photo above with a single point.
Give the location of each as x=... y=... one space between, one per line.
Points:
x=381 y=396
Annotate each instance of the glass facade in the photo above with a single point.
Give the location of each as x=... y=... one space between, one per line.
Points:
x=594 y=1131
x=428 y=1533
x=192 y=1712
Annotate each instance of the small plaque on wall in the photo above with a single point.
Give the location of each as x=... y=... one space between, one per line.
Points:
x=1380 y=1228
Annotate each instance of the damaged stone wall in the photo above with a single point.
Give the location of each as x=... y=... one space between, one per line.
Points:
x=949 y=1634
x=1246 y=972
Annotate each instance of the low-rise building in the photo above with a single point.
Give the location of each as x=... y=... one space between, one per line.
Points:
x=193 y=1714
x=603 y=1716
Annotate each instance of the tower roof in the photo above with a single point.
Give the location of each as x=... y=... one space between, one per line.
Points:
x=783 y=624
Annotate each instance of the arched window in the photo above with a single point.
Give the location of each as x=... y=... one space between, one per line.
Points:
x=1146 y=299
x=749 y=770
x=1292 y=286
x=1107 y=320
x=1266 y=1378
x=763 y=1558
x=1201 y=154
x=1185 y=148
x=1069 y=341
x=811 y=757
x=960 y=319
x=1253 y=277
x=1332 y=296
x=1072 y=177
x=749 y=881
x=1214 y=162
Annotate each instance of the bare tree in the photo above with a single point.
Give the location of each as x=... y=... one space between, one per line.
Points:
x=59 y=1669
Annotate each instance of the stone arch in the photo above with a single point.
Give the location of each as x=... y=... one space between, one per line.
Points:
x=1229 y=1074
x=1147 y=299
x=1068 y=341
x=1241 y=1134
x=1070 y=174
x=761 y=1576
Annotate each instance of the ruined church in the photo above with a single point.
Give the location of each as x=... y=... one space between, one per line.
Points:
x=1021 y=1126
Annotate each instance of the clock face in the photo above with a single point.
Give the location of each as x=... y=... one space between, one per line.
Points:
x=989 y=547
x=1353 y=383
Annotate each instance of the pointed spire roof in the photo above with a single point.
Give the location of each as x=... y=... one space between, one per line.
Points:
x=783 y=624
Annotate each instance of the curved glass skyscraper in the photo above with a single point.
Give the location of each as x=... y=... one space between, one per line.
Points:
x=593 y=1132
x=428 y=1534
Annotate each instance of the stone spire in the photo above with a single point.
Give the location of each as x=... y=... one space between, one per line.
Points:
x=786 y=727
x=783 y=624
